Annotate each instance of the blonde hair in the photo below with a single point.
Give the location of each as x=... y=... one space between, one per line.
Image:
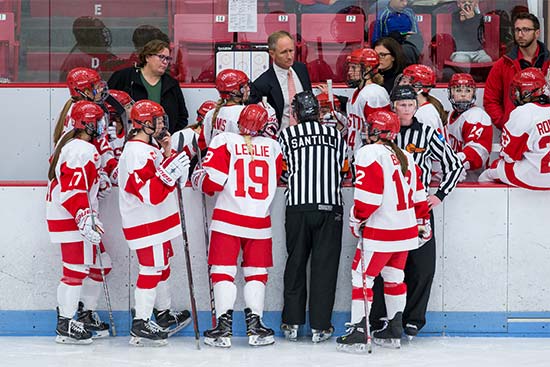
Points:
x=403 y=161
x=60 y=124
x=55 y=156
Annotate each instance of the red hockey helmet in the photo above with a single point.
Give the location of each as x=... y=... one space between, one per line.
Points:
x=383 y=124
x=146 y=111
x=325 y=103
x=81 y=79
x=527 y=86
x=252 y=120
x=122 y=97
x=365 y=57
x=204 y=108
x=458 y=82
x=90 y=117
x=419 y=76
x=230 y=82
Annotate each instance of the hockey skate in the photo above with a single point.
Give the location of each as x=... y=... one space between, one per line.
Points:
x=220 y=336
x=290 y=331
x=92 y=322
x=411 y=331
x=390 y=335
x=319 y=336
x=355 y=340
x=172 y=321
x=70 y=331
x=147 y=333
x=258 y=333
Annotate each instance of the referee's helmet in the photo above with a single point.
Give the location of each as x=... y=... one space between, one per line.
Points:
x=305 y=106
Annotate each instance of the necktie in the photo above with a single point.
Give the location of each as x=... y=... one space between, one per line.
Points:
x=291 y=93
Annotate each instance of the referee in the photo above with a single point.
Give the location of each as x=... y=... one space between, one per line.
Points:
x=426 y=145
x=315 y=157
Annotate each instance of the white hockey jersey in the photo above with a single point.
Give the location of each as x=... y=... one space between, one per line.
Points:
x=76 y=173
x=148 y=207
x=246 y=184
x=427 y=114
x=387 y=200
x=525 y=155
x=362 y=103
x=471 y=133
x=185 y=137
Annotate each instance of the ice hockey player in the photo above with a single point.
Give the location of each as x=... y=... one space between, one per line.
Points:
x=118 y=122
x=244 y=169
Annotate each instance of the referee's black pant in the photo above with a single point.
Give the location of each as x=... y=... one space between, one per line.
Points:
x=319 y=233
x=419 y=275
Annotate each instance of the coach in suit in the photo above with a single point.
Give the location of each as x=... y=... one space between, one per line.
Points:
x=275 y=83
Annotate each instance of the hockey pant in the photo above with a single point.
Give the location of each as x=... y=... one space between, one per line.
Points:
x=390 y=266
x=152 y=289
x=81 y=280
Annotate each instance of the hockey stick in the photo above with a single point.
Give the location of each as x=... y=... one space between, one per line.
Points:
x=206 y=242
x=187 y=256
x=101 y=269
x=368 y=338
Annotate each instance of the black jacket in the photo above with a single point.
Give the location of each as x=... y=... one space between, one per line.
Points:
x=268 y=85
x=171 y=97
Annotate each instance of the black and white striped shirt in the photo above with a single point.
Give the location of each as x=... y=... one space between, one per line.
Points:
x=314 y=156
x=426 y=145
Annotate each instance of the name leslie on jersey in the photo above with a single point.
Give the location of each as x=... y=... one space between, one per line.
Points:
x=257 y=150
x=304 y=141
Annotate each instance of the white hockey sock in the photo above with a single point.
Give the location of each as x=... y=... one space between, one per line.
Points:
x=145 y=300
x=394 y=304
x=357 y=310
x=254 y=295
x=225 y=293
x=163 y=300
x=91 y=290
x=67 y=299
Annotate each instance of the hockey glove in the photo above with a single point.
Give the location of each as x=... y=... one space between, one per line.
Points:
x=114 y=176
x=355 y=224
x=424 y=231
x=489 y=175
x=270 y=130
x=197 y=178
x=90 y=228
x=104 y=185
x=173 y=168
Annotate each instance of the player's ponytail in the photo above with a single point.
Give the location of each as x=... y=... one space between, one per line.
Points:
x=249 y=146
x=58 y=130
x=438 y=106
x=55 y=156
x=403 y=161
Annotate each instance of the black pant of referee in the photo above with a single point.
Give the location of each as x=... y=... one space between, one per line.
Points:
x=419 y=275
x=314 y=229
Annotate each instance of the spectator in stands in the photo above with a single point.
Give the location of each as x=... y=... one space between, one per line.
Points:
x=392 y=60
x=526 y=53
x=284 y=78
x=399 y=21
x=149 y=80
x=92 y=49
x=467 y=30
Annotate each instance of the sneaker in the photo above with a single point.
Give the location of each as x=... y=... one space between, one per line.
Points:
x=258 y=333
x=220 y=336
x=321 y=335
x=172 y=321
x=147 y=333
x=390 y=335
x=70 y=331
x=290 y=331
x=92 y=322
x=355 y=338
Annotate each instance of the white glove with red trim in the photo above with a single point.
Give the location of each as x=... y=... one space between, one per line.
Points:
x=197 y=178
x=104 y=185
x=173 y=168
x=424 y=231
x=89 y=225
x=355 y=224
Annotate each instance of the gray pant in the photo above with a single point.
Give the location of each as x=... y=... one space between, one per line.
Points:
x=470 y=56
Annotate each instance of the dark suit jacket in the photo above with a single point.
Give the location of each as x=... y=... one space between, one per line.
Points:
x=268 y=85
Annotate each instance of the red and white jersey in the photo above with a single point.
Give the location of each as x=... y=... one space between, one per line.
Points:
x=525 y=155
x=362 y=103
x=471 y=133
x=117 y=145
x=246 y=184
x=186 y=137
x=226 y=120
x=148 y=207
x=427 y=114
x=76 y=173
x=389 y=201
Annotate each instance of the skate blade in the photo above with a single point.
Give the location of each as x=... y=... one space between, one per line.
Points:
x=68 y=340
x=177 y=328
x=224 y=342
x=358 y=348
x=388 y=343
x=256 y=340
x=409 y=337
x=100 y=334
x=137 y=341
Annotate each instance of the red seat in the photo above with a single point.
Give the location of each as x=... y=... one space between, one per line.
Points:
x=444 y=46
x=9 y=48
x=327 y=40
x=99 y=8
x=195 y=36
x=198 y=6
x=267 y=24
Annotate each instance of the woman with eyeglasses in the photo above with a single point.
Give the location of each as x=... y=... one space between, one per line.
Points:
x=149 y=80
x=392 y=60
